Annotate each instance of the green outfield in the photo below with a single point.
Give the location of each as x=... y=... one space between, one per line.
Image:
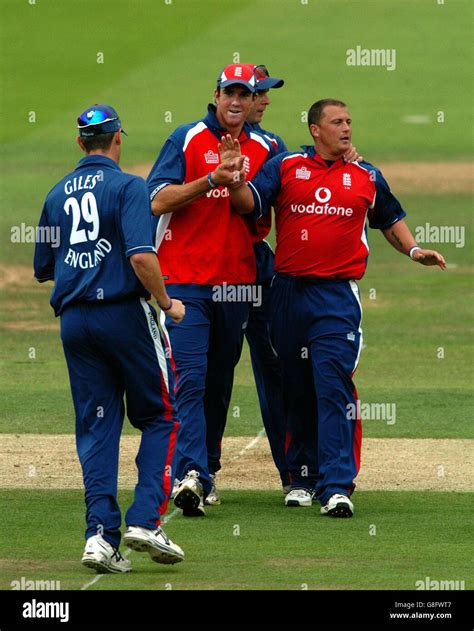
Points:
x=395 y=540
x=157 y=65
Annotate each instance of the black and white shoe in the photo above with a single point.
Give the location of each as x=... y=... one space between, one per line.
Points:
x=190 y=496
x=102 y=557
x=338 y=506
x=299 y=497
x=160 y=547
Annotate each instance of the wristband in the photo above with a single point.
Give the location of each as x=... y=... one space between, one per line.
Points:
x=415 y=247
x=168 y=307
x=211 y=183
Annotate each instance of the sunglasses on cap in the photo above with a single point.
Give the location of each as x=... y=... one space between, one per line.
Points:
x=260 y=72
x=96 y=117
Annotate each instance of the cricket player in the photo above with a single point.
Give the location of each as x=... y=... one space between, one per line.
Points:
x=321 y=206
x=264 y=361
x=207 y=258
x=104 y=269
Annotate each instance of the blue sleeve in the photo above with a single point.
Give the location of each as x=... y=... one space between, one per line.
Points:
x=281 y=145
x=135 y=218
x=169 y=168
x=387 y=209
x=265 y=186
x=44 y=259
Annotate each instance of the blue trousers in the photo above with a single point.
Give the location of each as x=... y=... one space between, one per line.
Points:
x=266 y=365
x=113 y=349
x=315 y=329
x=206 y=348
x=267 y=374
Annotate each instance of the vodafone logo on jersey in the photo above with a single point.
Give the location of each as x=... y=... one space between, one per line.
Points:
x=218 y=192
x=322 y=195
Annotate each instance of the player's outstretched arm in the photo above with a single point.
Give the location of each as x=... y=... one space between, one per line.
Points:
x=147 y=268
x=176 y=196
x=400 y=237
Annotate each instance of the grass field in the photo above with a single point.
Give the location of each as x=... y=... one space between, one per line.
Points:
x=163 y=59
x=396 y=540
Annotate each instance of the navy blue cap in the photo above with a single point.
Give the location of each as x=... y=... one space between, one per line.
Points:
x=99 y=119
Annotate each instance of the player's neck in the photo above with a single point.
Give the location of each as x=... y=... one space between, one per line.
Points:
x=233 y=131
x=326 y=154
x=113 y=155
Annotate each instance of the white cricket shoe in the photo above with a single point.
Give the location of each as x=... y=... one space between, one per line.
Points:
x=338 y=506
x=100 y=556
x=190 y=495
x=160 y=548
x=299 y=497
x=175 y=488
x=213 y=499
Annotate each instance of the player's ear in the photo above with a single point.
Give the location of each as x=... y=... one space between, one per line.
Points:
x=314 y=130
x=80 y=143
x=118 y=138
x=217 y=93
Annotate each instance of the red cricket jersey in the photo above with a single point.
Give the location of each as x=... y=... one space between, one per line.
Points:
x=320 y=213
x=205 y=242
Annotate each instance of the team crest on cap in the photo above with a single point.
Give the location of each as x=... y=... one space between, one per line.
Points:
x=211 y=158
x=303 y=174
x=90 y=114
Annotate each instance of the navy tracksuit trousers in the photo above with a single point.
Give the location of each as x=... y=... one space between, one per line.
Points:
x=114 y=349
x=315 y=329
x=266 y=364
x=206 y=348
x=267 y=374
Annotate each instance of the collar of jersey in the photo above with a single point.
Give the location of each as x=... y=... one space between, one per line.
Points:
x=98 y=159
x=213 y=124
x=311 y=151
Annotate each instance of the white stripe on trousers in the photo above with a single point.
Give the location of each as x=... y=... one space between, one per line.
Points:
x=355 y=291
x=155 y=330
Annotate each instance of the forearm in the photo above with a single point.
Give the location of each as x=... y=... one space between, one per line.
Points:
x=400 y=237
x=241 y=199
x=147 y=269
x=175 y=196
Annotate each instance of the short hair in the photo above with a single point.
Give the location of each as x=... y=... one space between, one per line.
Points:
x=317 y=109
x=100 y=141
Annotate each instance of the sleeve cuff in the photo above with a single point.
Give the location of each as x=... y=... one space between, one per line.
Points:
x=157 y=189
x=139 y=249
x=257 y=201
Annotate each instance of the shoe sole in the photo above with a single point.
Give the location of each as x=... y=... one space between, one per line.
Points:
x=189 y=502
x=158 y=555
x=102 y=568
x=340 y=510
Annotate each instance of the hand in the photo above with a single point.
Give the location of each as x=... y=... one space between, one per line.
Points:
x=229 y=148
x=351 y=155
x=429 y=257
x=176 y=311
x=230 y=173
